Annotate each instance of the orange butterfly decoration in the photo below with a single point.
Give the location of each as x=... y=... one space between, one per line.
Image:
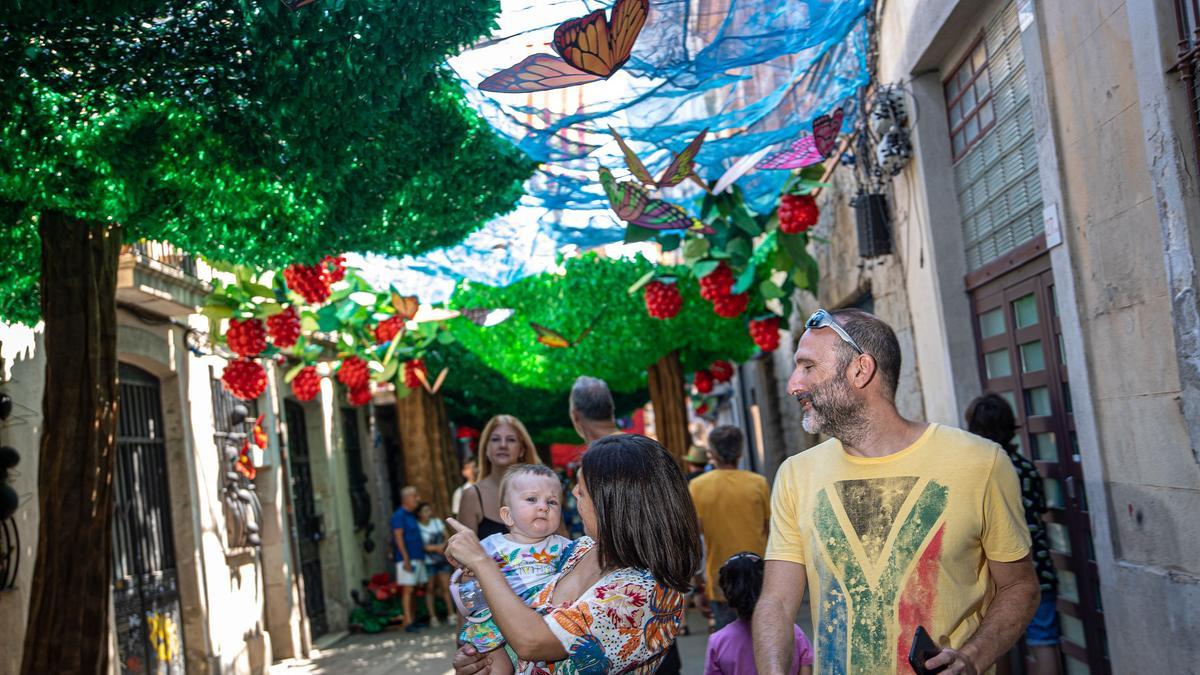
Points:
x=556 y=340
x=591 y=48
x=406 y=306
x=437 y=384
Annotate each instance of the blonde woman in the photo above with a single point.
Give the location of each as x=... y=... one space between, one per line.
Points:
x=504 y=442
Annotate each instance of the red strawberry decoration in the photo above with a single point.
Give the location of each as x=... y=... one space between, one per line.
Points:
x=245 y=379
x=354 y=373
x=663 y=300
x=387 y=329
x=765 y=333
x=410 y=373
x=731 y=305
x=717 y=283
x=359 y=396
x=260 y=436
x=310 y=281
x=703 y=381
x=246 y=338
x=334 y=267
x=307 y=384
x=722 y=371
x=797 y=213
x=284 y=327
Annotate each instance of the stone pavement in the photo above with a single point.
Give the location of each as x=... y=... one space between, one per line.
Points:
x=429 y=652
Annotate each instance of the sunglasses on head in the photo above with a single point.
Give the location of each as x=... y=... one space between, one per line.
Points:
x=823 y=319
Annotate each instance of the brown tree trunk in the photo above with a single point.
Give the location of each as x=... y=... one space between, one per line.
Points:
x=670 y=405
x=425 y=440
x=67 y=630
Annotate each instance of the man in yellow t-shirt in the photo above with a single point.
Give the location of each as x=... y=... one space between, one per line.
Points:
x=891 y=524
x=734 y=507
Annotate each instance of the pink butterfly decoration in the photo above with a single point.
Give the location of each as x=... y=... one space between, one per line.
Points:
x=801 y=153
x=825 y=131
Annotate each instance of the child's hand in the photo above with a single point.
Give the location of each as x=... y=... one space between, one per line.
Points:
x=463 y=549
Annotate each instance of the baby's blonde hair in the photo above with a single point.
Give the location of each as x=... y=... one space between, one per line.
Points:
x=517 y=470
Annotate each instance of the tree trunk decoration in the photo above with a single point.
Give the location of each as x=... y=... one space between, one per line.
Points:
x=67 y=629
x=427 y=446
x=670 y=405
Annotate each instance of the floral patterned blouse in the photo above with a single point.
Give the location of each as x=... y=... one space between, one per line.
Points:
x=622 y=624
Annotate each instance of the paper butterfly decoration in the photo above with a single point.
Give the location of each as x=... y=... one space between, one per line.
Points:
x=681 y=168
x=591 y=48
x=635 y=206
x=487 y=317
x=437 y=384
x=406 y=306
x=556 y=340
x=809 y=150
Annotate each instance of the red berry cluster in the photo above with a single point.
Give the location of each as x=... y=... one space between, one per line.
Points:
x=703 y=381
x=410 y=373
x=246 y=338
x=717 y=288
x=717 y=284
x=245 y=379
x=284 y=327
x=359 y=396
x=702 y=409
x=388 y=328
x=310 y=281
x=797 y=213
x=663 y=300
x=354 y=373
x=722 y=371
x=765 y=333
x=335 y=267
x=307 y=384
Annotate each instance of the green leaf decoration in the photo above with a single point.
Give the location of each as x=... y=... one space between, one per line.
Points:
x=695 y=248
x=293 y=372
x=769 y=290
x=744 y=281
x=705 y=267
x=217 y=312
x=642 y=281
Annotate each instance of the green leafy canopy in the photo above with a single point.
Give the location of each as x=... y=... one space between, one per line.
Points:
x=623 y=341
x=243 y=132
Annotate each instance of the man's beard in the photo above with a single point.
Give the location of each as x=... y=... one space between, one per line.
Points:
x=833 y=410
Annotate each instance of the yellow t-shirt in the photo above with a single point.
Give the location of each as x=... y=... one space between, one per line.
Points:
x=734 y=507
x=895 y=542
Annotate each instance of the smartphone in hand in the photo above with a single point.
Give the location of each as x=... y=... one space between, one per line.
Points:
x=923 y=648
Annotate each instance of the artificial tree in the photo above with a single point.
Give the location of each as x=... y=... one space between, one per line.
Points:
x=591 y=296
x=233 y=130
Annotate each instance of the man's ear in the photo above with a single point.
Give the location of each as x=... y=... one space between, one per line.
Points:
x=863 y=370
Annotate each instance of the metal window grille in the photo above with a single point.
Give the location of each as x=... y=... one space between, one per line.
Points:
x=996 y=178
x=166 y=254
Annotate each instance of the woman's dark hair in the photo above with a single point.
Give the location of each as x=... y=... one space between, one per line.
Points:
x=992 y=417
x=741 y=580
x=644 y=513
x=423 y=505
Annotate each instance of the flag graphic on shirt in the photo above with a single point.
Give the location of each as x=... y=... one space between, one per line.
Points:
x=880 y=544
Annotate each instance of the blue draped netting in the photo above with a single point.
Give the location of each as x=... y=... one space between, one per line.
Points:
x=755 y=73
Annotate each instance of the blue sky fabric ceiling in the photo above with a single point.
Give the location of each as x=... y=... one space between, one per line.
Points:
x=755 y=73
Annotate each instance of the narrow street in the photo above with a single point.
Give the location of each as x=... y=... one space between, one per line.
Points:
x=429 y=653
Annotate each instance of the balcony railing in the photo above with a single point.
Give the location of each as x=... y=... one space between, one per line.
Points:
x=165 y=254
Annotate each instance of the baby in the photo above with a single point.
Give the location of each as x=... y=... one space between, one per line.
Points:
x=531 y=507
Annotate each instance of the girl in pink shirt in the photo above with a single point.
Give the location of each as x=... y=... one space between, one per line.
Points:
x=731 y=649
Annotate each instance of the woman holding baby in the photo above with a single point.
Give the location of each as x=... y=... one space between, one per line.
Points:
x=612 y=601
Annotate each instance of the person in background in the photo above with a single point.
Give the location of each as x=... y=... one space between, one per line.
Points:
x=433 y=534
x=735 y=512
x=731 y=649
x=592 y=409
x=697 y=462
x=505 y=442
x=891 y=524
x=991 y=417
x=408 y=550
x=469 y=471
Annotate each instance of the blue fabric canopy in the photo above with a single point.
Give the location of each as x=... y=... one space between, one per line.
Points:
x=754 y=73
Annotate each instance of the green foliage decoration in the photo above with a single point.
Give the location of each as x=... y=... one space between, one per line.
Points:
x=247 y=133
x=594 y=291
